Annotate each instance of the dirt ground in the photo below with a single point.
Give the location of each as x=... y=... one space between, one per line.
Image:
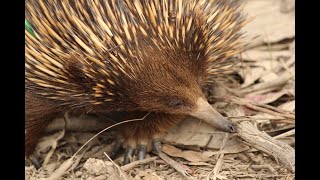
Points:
x=260 y=98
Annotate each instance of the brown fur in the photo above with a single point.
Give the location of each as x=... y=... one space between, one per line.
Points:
x=152 y=124
x=104 y=56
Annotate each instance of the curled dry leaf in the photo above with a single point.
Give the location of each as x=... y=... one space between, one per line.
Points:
x=191 y=156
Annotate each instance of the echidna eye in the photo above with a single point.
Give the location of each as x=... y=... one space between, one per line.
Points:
x=175 y=103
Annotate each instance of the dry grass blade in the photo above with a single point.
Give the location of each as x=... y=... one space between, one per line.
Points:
x=119 y=169
x=286 y=134
x=218 y=165
x=175 y=165
x=265 y=166
x=109 y=127
x=70 y=162
x=133 y=164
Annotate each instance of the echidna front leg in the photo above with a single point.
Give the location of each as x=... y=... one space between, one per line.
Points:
x=140 y=137
x=139 y=146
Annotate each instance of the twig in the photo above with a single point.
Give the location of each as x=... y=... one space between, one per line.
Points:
x=257 y=108
x=285 y=121
x=286 y=134
x=251 y=136
x=119 y=169
x=264 y=166
x=133 y=164
x=256 y=118
x=218 y=165
x=258 y=175
x=277 y=82
x=274 y=108
x=177 y=166
x=268 y=111
x=286 y=65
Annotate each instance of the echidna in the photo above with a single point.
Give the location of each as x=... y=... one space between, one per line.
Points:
x=133 y=56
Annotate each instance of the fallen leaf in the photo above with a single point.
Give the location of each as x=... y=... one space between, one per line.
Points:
x=266 y=98
x=191 y=156
x=192 y=132
x=229 y=150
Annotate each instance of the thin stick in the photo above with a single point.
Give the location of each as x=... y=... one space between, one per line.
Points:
x=264 y=166
x=278 y=82
x=243 y=118
x=218 y=165
x=257 y=108
x=274 y=108
x=177 y=166
x=217 y=168
x=286 y=134
x=119 y=169
x=130 y=166
x=107 y=129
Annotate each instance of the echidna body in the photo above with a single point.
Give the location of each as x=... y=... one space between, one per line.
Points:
x=133 y=56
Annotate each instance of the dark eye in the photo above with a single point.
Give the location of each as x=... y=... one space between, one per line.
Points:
x=176 y=103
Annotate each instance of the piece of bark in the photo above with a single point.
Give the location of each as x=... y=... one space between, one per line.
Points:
x=251 y=136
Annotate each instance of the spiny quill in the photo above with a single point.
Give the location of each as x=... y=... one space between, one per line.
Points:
x=132 y=56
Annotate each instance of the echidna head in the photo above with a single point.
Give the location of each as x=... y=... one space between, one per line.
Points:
x=172 y=83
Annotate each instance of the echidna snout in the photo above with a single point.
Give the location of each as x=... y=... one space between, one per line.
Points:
x=206 y=112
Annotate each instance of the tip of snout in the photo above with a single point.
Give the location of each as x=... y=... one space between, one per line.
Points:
x=225 y=125
x=231 y=128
